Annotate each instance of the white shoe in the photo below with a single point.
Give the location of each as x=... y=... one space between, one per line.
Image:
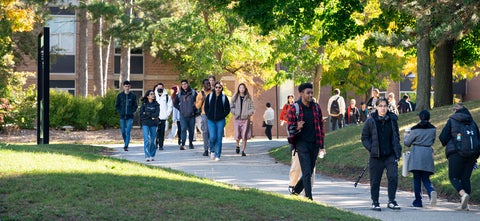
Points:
x=465 y=198
x=212 y=155
x=147 y=159
x=433 y=198
x=152 y=159
x=217 y=159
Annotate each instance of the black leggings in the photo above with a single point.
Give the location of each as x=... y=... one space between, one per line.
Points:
x=460 y=171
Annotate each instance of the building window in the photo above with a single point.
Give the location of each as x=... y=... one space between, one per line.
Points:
x=137 y=87
x=136 y=60
x=63 y=85
x=62 y=40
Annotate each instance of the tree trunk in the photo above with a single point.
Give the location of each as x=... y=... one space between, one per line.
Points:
x=423 y=74
x=97 y=54
x=106 y=62
x=124 y=64
x=317 y=78
x=82 y=54
x=443 y=56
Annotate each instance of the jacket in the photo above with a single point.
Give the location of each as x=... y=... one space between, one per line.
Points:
x=185 y=102
x=449 y=132
x=341 y=105
x=284 y=112
x=199 y=103
x=317 y=122
x=215 y=108
x=421 y=138
x=239 y=111
x=149 y=113
x=165 y=103
x=352 y=115
x=370 y=135
x=126 y=105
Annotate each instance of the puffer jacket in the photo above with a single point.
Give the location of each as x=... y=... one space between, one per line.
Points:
x=421 y=138
x=449 y=132
x=370 y=135
x=149 y=113
x=242 y=112
x=216 y=107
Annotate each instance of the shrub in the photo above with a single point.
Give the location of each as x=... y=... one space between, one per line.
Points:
x=108 y=116
x=61 y=109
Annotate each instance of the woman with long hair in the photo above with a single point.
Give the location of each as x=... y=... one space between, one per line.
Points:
x=217 y=107
x=149 y=112
x=242 y=109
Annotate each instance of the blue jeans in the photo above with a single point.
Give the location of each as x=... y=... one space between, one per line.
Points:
x=125 y=128
x=215 y=129
x=187 y=123
x=149 y=135
x=419 y=177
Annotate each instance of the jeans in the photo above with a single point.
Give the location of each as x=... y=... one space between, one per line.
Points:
x=377 y=166
x=216 y=135
x=125 y=128
x=205 y=133
x=187 y=123
x=307 y=155
x=459 y=172
x=419 y=177
x=160 y=134
x=338 y=119
x=149 y=135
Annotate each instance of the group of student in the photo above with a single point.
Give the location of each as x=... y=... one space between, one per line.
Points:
x=210 y=105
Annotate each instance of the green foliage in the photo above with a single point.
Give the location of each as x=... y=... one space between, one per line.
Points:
x=108 y=116
x=18 y=104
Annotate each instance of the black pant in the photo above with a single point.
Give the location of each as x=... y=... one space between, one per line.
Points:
x=338 y=119
x=377 y=166
x=160 y=134
x=459 y=172
x=179 y=132
x=307 y=155
x=268 y=131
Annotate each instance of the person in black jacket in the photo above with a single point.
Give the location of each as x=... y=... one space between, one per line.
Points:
x=381 y=138
x=149 y=112
x=216 y=107
x=459 y=168
x=126 y=105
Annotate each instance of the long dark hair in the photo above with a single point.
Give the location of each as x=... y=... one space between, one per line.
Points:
x=144 y=99
x=247 y=94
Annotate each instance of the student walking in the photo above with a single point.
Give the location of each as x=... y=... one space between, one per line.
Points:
x=242 y=109
x=381 y=138
x=336 y=109
x=352 y=114
x=421 y=163
x=268 y=118
x=126 y=105
x=199 y=104
x=460 y=137
x=149 y=120
x=306 y=134
x=165 y=105
x=217 y=107
x=185 y=103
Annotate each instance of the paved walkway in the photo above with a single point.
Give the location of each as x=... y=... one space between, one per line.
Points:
x=259 y=170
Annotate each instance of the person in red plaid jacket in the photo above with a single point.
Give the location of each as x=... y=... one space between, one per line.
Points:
x=306 y=134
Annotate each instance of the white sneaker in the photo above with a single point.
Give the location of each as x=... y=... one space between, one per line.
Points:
x=152 y=159
x=212 y=155
x=217 y=159
x=433 y=198
x=147 y=159
x=465 y=198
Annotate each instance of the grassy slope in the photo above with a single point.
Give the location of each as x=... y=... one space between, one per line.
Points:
x=346 y=157
x=72 y=182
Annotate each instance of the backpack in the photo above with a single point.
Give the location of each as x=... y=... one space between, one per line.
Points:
x=335 y=107
x=467 y=140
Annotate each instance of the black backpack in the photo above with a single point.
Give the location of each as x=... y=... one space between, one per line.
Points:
x=467 y=139
x=334 y=107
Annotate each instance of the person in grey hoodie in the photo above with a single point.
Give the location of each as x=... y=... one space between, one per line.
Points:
x=380 y=137
x=421 y=138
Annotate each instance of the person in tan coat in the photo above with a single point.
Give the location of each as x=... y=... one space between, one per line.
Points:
x=242 y=109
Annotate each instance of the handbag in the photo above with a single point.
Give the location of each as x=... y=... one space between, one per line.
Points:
x=406 y=157
x=264 y=124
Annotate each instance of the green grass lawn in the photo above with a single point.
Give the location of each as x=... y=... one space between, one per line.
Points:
x=75 y=182
x=346 y=157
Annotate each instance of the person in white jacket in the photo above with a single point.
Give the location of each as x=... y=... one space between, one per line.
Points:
x=268 y=117
x=166 y=106
x=336 y=109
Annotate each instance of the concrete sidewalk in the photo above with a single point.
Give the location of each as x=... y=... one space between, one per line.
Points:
x=259 y=170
